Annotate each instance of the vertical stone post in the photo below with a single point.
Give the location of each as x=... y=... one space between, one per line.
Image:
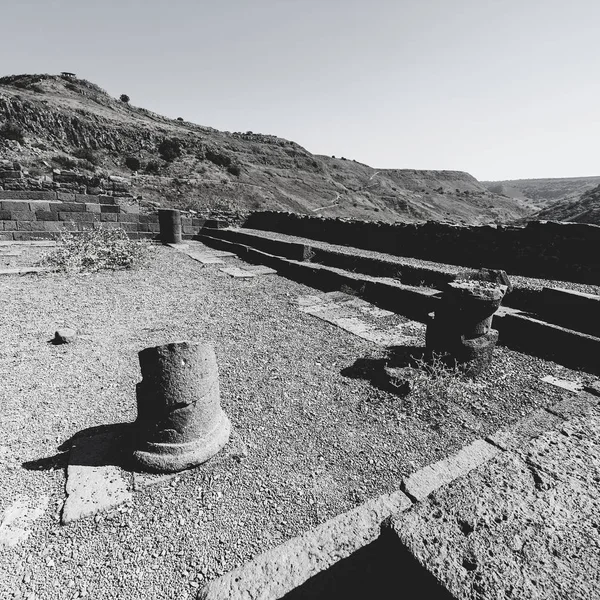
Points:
x=180 y=422
x=462 y=326
x=170 y=225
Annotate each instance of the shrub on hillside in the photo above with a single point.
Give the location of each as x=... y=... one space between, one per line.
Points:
x=12 y=131
x=234 y=170
x=66 y=162
x=124 y=98
x=133 y=163
x=153 y=168
x=215 y=157
x=88 y=155
x=97 y=250
x=169 y=149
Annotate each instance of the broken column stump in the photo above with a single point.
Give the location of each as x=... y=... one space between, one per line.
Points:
x=180 y=422
x=461 y=329
x=169 y=221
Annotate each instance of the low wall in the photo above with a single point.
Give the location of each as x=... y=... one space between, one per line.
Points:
x=38 y=215
x=543 y=249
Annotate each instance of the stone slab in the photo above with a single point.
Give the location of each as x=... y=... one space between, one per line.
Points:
x=18 y=518
x=237 y=272
x=26 y=270
x=284 y=568
x=572 y=386
x=523 y=525
x=259 y=269
x=526 y=429
x=428 y=479
x=95 y=482
x=571 y=406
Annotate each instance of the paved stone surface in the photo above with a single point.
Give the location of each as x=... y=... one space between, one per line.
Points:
x=95 y=482
x=274 y=573
x=18 y=519
x=572 y=386
x=356 y=315
x=528 y=428
x=428 y=479
x=259 y=269
x=237 y=272
x=25 y=270
x=523 y=525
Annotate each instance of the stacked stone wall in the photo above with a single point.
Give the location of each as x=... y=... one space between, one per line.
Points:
x=38 y=215
x=543 y=249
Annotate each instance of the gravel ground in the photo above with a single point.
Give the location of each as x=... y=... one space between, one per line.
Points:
x=517 y=280
x=320 y=438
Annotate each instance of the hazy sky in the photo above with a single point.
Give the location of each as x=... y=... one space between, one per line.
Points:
x=503 y=89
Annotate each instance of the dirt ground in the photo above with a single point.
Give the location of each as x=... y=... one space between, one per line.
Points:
x=313 y=437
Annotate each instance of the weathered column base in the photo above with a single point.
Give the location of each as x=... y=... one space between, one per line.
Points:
x=173 y=457
x=474 y=356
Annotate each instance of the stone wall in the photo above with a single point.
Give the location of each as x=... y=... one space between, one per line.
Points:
x=543 y=249
x=38 y=215
x=37 y=208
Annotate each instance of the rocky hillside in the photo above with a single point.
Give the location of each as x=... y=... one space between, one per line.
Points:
x=60 y=122
x=585 y=209
x=542 y=193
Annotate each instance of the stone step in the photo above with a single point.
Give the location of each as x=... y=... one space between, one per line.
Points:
x=517 y=330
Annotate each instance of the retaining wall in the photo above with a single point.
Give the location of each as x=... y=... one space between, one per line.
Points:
x=38 y=215
x=543 y=249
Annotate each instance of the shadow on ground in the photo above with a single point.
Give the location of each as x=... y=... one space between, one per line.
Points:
x=383 y=569
x=99 y=446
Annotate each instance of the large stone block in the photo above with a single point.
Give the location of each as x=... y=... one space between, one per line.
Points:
x=109 y=208
x=43 y=215
x=77 y=217
x=15 y=205
x=22 y=215
x=9 y=225
x=108 y=217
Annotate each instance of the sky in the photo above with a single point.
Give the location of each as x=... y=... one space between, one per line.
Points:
x=502 y=89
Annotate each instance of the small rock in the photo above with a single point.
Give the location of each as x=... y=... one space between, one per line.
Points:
x=65 y=335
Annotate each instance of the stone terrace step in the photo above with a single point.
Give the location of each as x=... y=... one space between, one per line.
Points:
x=517 y=329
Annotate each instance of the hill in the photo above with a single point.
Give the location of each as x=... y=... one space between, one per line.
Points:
x=542 y=193
x=66 y=122
x=585 y=209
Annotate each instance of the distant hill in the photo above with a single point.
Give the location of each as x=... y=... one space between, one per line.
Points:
x=586 y=209
x=66 y=122
x=541 y=193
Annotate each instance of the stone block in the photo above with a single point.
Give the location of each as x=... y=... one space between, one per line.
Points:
x=107 y=217
x=149 y=218
x=86 y=198
x=39 y=205
x=93 y=208
x=68 y=207
x=143 y=227
x=27 y=226
x=43 y=215
x=133 y=209
x=108 y=208
x=66 y=196
x=189 y=230
x=154 y=227
x=29 y=236
x=15 y=205
x=22 y=215
x=77 y=217
x=428 y=479
x=9 y=225
x=52 y=226
x=4 y=215
x=105 y=199
x=128 y=226
x=11 y=175
x=6 y=237
x=128 y=218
